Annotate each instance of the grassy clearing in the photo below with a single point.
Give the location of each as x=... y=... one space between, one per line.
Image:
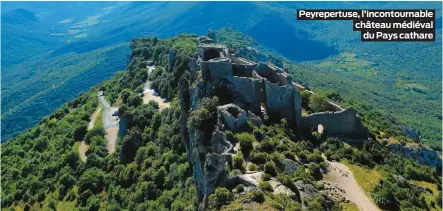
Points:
x=429 y=197
x=349 y=206
x=366 y=179
x=76 y=146
x=117 y=102
x=432 y=187
x=349 y=62
x=99 y=120
x=66 y=205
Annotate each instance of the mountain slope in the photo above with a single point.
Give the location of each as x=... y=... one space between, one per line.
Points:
x=36 y=88
x=395 y=80
x=150 y=168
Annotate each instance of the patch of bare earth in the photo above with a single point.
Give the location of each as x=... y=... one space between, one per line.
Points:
x=82 y=149
x=93 y=117
x=340 y=183
x=149 y=95
x=111 y=136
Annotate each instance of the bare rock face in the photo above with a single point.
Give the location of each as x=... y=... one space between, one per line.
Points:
x=221 y=145
x=214 y=170
x=184 y=97
x=289 y=166
x=251 y=180
x=421 y=154
x=308 y=192
x=208 y=158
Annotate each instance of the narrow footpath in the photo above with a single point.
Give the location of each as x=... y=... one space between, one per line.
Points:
x=339 y=181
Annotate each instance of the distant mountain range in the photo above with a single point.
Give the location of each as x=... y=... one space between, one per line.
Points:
x=52 y=51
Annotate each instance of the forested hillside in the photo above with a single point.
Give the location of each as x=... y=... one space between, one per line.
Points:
x=36 y=88
x=398 y=83
x=149 y=170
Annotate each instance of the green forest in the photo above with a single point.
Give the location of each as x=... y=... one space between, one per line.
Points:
x=149 y=170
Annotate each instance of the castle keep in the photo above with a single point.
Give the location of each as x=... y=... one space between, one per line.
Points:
x=248 y=92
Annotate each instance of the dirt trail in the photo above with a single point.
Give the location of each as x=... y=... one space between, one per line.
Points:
x=82 y=149
x=111 y=136
x=93 y=117
x=149 y=94
x=340 y=181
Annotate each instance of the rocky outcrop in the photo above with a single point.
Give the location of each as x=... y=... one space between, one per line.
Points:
x=289 y=166
x=184 y=97
x=421 y=154
x=214 y=172
x=221 y=145
x=308 y=192
x=251 y=180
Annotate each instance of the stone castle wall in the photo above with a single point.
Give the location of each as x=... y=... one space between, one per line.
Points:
x=280 y=101
x=249 y=90
x=343 y=123
x=220 y=67
x=248 y=86
x=242 y=70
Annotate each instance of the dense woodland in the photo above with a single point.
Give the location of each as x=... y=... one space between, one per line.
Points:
x=149 y=170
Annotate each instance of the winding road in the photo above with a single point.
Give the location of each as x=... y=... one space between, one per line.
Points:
x=108 y=120
x=110 y=124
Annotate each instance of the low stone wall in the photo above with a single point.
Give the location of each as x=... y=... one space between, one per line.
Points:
x=343 y=123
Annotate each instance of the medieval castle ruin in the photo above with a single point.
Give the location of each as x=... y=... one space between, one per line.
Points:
x=263 y=86
x=255 y=91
